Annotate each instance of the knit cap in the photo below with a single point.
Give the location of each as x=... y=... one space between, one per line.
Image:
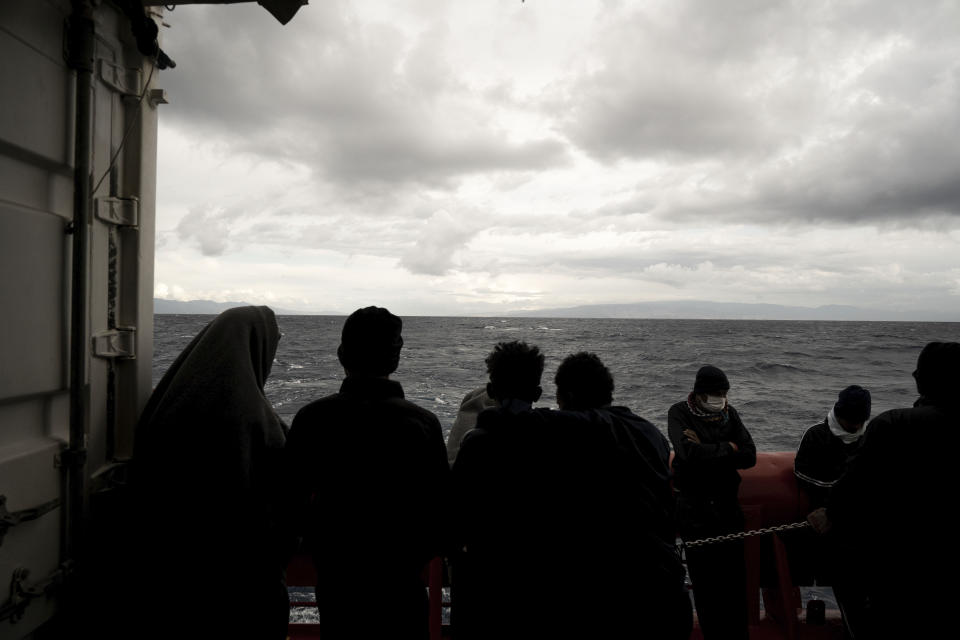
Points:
x=710 y=378
x=853 y=404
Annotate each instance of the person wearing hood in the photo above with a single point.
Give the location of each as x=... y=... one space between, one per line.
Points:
x=890 y=512
x=710 y=444
x=207 y=485
x=825 y=447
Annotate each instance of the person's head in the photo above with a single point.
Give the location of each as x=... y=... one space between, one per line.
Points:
x=583 y=382
x=370 y=342
x=852 y=408
x=515 y=369
x=710 y=388
x=938 y=371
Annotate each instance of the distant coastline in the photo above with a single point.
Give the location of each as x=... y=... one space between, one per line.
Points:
x=661 y=310
x=708 y=310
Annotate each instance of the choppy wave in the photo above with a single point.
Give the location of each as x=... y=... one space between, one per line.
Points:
x=776 y=366
x=779 y=382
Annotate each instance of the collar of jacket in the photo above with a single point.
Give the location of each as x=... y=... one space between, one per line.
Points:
x=371 y=387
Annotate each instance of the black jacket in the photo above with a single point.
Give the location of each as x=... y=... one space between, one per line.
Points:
x=709 y=469
x=369 y=472
x=894 y=511
x=575 y=504
x=821 y=460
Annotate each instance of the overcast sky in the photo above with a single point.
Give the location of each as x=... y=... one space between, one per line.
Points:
x=450 y=157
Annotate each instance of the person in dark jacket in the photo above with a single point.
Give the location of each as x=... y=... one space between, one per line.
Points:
x=895 y=518
x=710 y=443
x=495 y=553
x=574 y=505
x=820 y=462
x=206 y=477
x=825 y=447
x=368 y=478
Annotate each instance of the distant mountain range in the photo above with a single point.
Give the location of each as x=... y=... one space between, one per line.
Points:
x=680 y=309
x=706 y=310
x=205 y=307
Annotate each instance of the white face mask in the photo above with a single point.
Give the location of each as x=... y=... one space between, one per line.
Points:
x=716 y=404
x=837 y=429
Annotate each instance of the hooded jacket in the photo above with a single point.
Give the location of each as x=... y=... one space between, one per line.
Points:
x=207 y=482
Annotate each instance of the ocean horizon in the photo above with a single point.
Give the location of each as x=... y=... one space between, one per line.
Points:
x=784 y=374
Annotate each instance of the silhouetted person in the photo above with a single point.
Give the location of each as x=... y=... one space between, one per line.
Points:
x=626 y=496
x=496 y=551
x=893 y=508
x=566 y=516
x=710 y=443
x=370 y=471
x=821 y=460
x=206 y=481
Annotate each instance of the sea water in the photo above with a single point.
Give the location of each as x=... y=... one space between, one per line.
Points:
x=784 y=375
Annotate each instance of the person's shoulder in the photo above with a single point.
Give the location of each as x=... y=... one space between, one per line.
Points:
x=471 y=437
x=416 y=411
x=639 y=424
x=815 y=436
x=477 y=400
x=313 y=409
x=819 y=428
x=627 y=415
x=681 y=408
x=516 y=427
x=921 y=415
x=494 y=418
x=679 y=411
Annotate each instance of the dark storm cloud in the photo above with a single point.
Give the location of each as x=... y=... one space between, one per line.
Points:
x=774 y=112
x=357 y=104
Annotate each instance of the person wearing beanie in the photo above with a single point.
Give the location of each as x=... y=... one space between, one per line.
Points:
x=710 y=443
x=820 y=462
x=822 y=456
x=890 y=509
x=368 y=476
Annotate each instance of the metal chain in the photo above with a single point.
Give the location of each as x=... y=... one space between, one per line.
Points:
x=746 y=534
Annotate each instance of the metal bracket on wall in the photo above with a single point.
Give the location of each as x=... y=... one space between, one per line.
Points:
x=119 y=78
x=9 y=520
x=22 y=595
x=123 y=212
x=116 y=343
